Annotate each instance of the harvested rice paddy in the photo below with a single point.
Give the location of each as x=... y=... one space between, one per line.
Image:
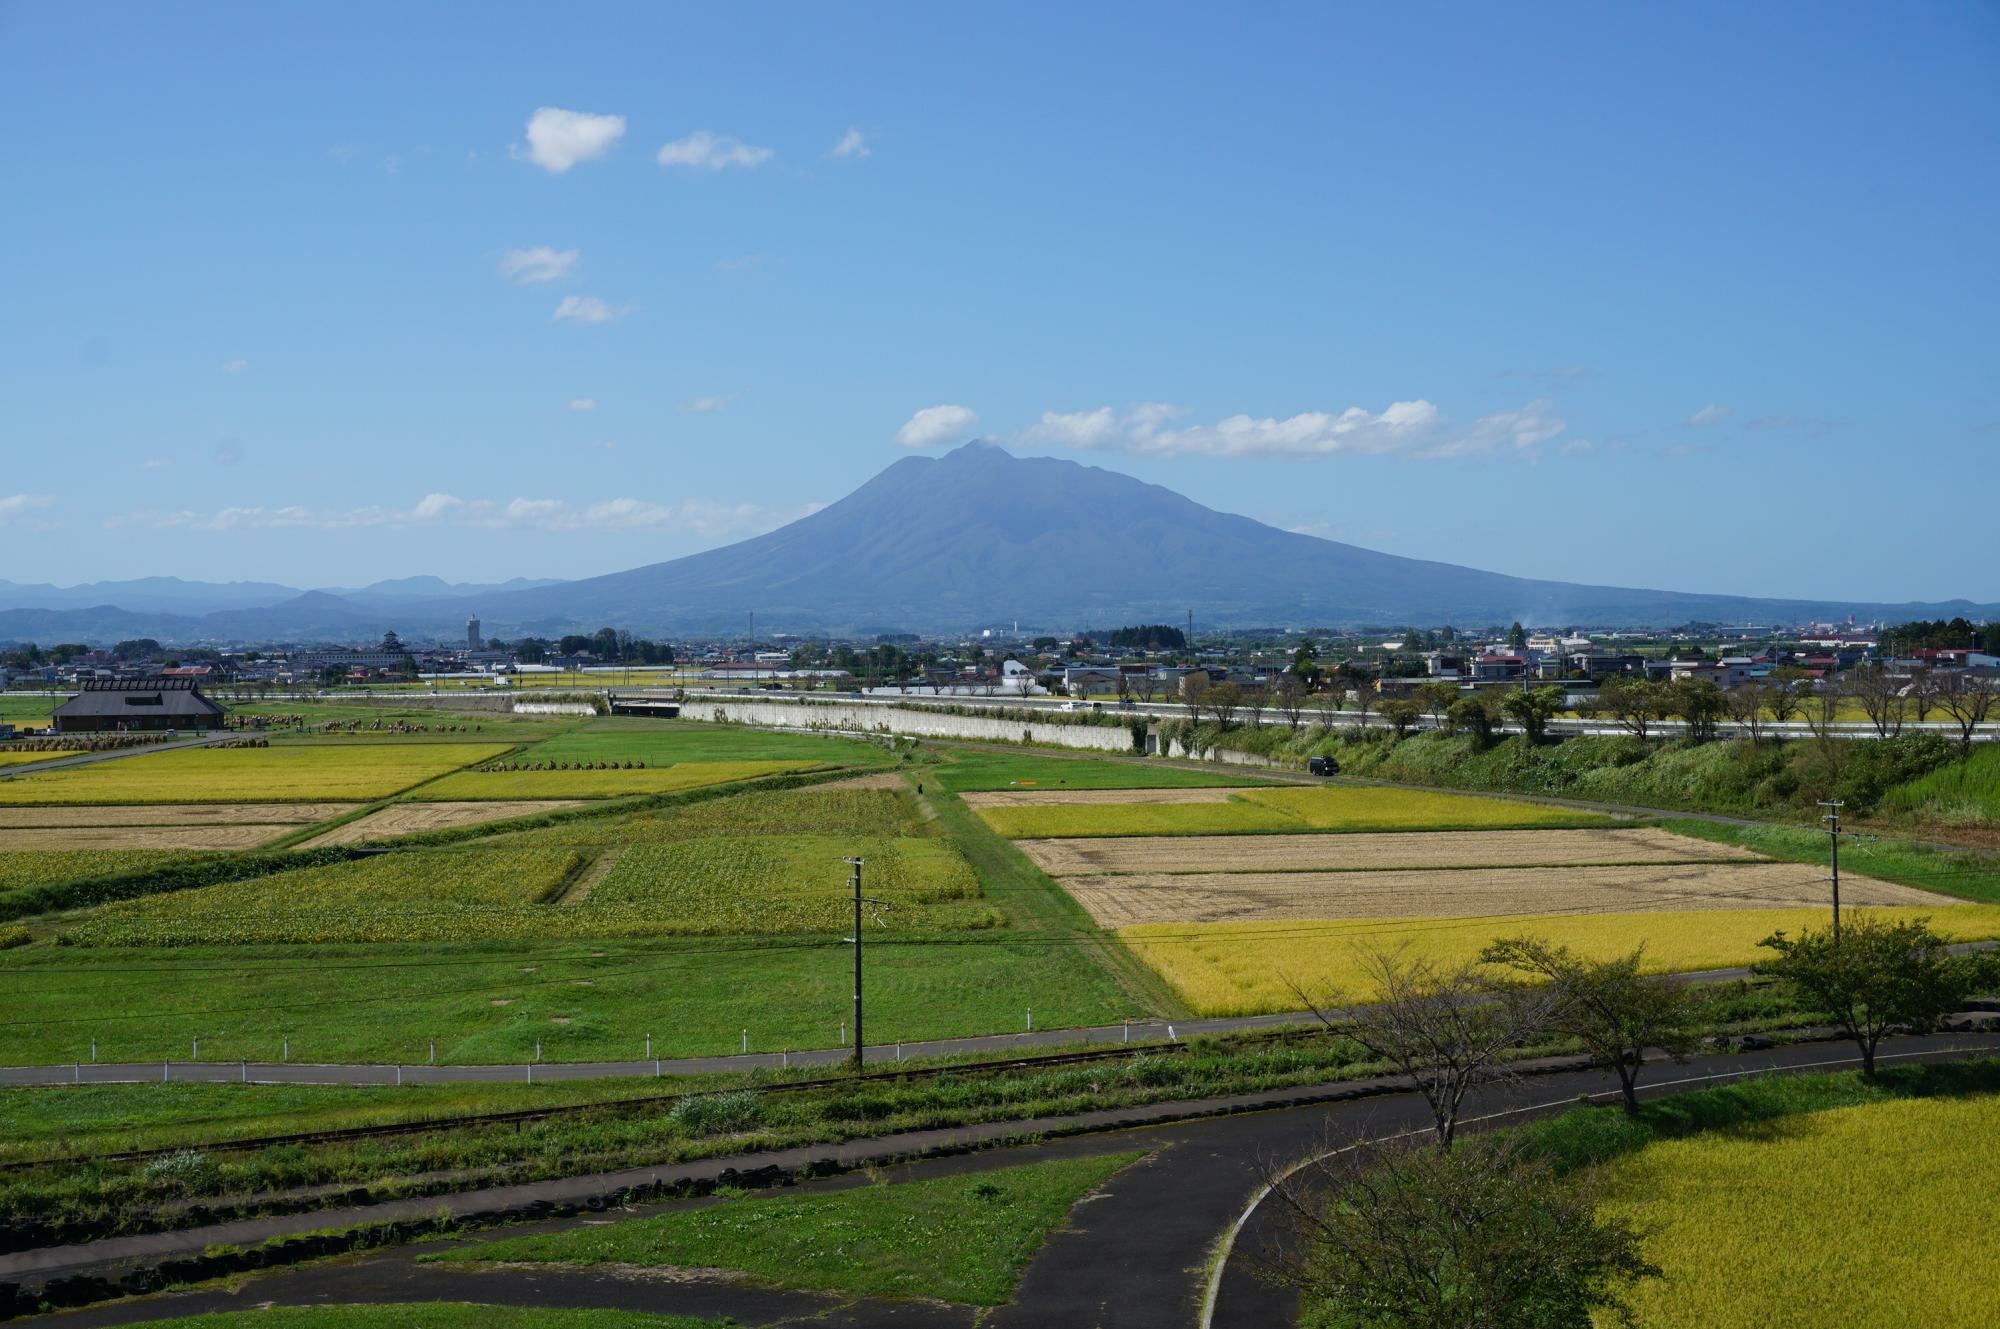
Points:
x=1873 y=1216
x=971 y=771
x=304 y=774
x=1247 y=968
x=1362 y=851
x=413 y=818
x=1122 y=900
x=1345 y=808
x=196 y=838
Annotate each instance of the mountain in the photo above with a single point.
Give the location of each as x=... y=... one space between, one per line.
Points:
x=146 y=595
x=970 y=539
x=978 y=537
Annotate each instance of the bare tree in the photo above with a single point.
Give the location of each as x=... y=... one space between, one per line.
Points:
x=1401 y=713
x=1447 y=1029
x=1746 y=703
x=1789 y=690
x=1821 y=710
x=1881 y=696
x=1922 y=692
x=1256 y=700
x=1436 y=699
x=1224 y=699
x=1289 y=697
x=1968 y=697
x=1195 y=685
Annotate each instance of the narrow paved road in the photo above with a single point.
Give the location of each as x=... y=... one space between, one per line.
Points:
x=1136 y=1256
x=117 y=754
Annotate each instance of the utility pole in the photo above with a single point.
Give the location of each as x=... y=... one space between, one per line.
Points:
x=859 y=900
x=1832 y=820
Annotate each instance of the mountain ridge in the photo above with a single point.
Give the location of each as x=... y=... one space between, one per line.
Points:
x=969 y=539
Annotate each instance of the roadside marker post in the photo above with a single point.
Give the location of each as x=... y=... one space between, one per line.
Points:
x=746 y=1040
x=1031 y=1019
x=434 y=1052
x=287 y=1055
x=93 y=1051
x=243 y=1072
x=649 y=1045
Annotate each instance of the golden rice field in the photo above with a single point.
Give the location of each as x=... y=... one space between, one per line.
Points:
x=305 y=773
x=1254 y=811
x=24 y=758
x=1244 y=968
x=1874 y=1217
x=476 y=785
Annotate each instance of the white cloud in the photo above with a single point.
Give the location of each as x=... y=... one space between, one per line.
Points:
x=15 y=506
x=154 y=464
x=588 y=309
x=705 y=404
x=559 y=139
x=234 y=366
x=852 y=144
x=936 y=424
x=540 y=264
x=1413 y=427
x=1709 y=415
x=583 y=403
x=712 y=152
x=705 y=517
x=1577 y=445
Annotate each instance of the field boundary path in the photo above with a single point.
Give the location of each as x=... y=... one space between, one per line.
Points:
x=1141 y=1254
x=144 y=749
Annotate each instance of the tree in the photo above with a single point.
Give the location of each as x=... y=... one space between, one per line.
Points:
x=391 y=644
x=1606 y=1006
x=1305 y=663
x=1472 y=715
x=138 y=648
x=1746 y=703
x=1401 y=713
x=1881 y=696
x=1436 y=698
x=1874 y=977
x=1195 y=685
x=1967 y=696
x=1637 y=704
x=1446 y=1029
x=1482 y=1237
x=1789 y=690
x=1224 y=699
x=1923 y=692
x=1533 y=709
x=1517 y=636
x=1699 y=704
x=1288 y=695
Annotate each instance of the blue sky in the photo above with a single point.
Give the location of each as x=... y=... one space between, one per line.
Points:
x=1690 y=296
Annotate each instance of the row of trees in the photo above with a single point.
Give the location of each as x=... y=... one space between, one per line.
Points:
x=1486 y=1232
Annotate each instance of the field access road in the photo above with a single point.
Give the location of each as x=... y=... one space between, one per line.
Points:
x=1137 y=1255
x=549 y=1072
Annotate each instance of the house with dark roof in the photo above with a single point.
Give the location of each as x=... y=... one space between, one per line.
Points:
x=127 y=704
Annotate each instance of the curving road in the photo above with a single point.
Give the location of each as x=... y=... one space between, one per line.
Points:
x=1135 y=1256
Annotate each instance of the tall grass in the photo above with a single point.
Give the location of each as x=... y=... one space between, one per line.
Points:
x=1961 y=793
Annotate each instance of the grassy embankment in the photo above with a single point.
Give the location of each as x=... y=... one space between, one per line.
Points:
x=962 y=1238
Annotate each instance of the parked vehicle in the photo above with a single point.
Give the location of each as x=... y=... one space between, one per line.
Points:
x=1322 y=766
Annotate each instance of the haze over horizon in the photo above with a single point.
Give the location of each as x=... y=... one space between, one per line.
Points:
x=1693 y=298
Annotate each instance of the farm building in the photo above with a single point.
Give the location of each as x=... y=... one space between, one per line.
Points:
x=110 y=705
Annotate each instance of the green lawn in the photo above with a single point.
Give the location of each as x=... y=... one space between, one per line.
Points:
x=967 y=771
x=432 y=1315
x=492 y=1002
x=956 y=1238
x=1969 y=875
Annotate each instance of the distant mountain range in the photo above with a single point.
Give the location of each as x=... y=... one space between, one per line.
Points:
x=974 y=538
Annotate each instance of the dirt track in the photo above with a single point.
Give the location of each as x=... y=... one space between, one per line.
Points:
x=1155 y=854
x=1117 y=901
